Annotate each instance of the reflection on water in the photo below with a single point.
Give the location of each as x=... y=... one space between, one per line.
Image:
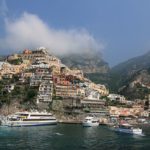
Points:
x=70 y=137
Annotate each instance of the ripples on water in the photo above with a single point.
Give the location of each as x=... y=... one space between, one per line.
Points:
x=70 y=137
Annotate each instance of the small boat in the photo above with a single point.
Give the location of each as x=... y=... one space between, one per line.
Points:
x=30 y=119
x=127 y=128
x=90 y=121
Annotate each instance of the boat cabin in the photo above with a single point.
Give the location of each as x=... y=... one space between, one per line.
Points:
x=125 y=126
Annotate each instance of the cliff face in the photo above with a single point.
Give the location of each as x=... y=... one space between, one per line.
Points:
x=88 y=62
x=131 y=66
x=137 y=86
x=132 y=78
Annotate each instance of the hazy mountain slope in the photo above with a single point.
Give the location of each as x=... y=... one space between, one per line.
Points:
x=137 y=86
x=132 y=65
x=132 y=78
x=88 y=62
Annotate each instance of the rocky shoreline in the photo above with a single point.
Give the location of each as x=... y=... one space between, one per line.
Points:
x=61 y=116
x=69 y=118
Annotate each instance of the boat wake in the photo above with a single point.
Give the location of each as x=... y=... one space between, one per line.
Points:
x=59 y=134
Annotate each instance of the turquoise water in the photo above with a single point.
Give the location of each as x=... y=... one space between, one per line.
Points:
x=70 y=137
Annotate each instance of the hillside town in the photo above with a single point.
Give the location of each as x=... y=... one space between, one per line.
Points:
x=61 y=89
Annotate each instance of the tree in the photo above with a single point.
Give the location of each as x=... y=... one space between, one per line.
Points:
x=17 y=61
x=146 y=106
x=31 y=94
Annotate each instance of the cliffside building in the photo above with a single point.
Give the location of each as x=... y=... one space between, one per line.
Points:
x=41 y=54
x=6 y=68
x=39 y=75
x=45 y=92
x=66 y=91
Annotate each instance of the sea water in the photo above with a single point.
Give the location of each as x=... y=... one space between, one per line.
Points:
x=70 y=137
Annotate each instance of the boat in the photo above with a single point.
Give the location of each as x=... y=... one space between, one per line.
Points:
x=30 y=119
x=127 y=128
x=90 y=121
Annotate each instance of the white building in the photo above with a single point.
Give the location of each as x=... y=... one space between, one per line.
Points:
x=39 y=65
x=117 y=97
x=40 y=75
x=92 y=95
x=1 y=64
x=45 y=92
x=35 y=79
x=9 y=87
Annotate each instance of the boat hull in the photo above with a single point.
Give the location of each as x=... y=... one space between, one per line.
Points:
x=30 y=123
x=89 y=124
x=129 y=131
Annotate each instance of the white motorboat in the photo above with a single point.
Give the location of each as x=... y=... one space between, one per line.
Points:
x=127 y=128
x=90 y=121
x=30 y=119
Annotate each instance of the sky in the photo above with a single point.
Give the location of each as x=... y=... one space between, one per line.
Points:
x=118 y=29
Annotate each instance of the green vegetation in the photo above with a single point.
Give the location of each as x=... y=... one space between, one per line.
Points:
x=148 y=70
x=16 y=61
x=137 y=92
x=116 y=103
x=31 y=94
x=22 y=93
x=146 y=107
x=120 y=77
x=57 y=98
x=111 y=80
x=87 y=109
x=98 y=77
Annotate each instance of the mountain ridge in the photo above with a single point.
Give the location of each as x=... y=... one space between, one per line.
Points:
x=132 y=77
x=88 y=62
x=133 y=63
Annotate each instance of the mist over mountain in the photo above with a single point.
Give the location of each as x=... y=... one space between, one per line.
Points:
x=29 y=31
x=90 y=62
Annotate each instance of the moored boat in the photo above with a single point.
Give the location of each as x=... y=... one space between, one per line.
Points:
x=127 y=128
x=90 y=121
x=30 y=119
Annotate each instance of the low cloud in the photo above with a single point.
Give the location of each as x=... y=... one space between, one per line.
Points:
x=29 y=31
